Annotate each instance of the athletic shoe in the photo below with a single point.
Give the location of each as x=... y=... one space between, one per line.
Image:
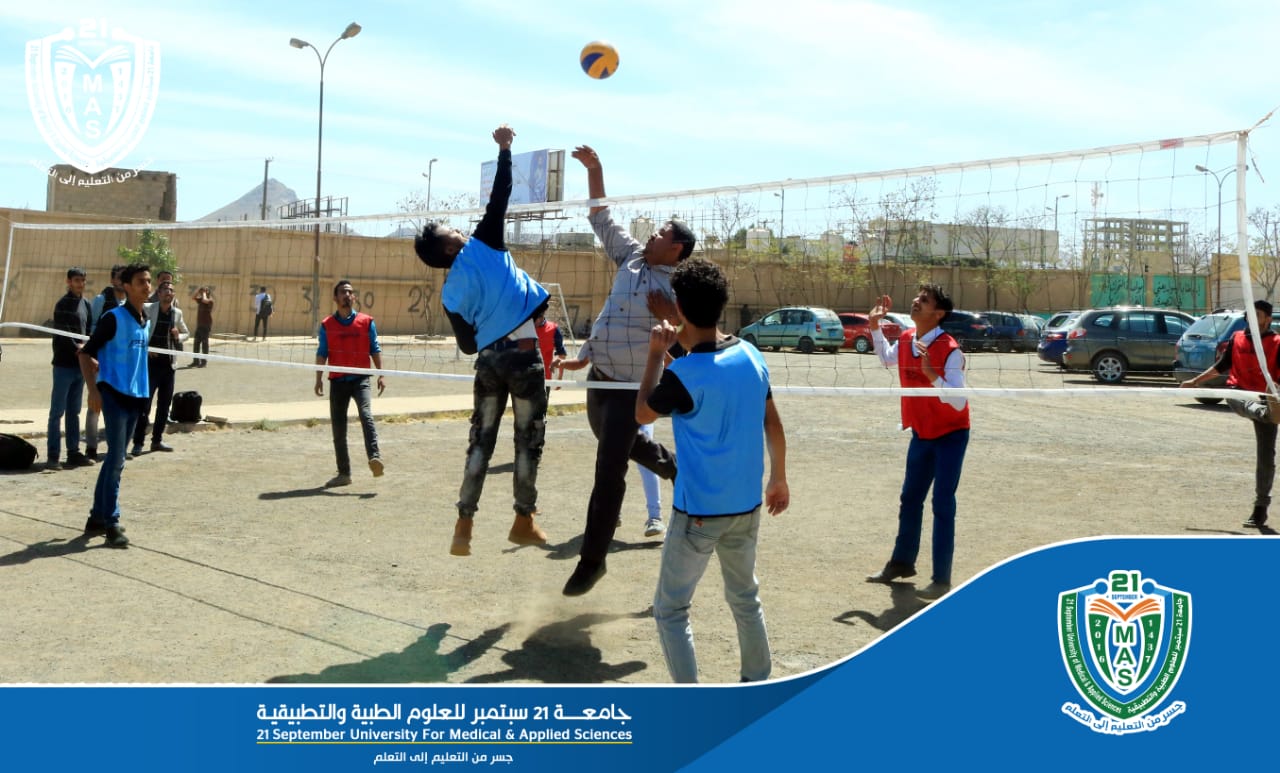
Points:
x=1258 y=519
x=934 y=590
x=375 y=464
x=116 y=538
x=338 y=480
x=53 y=465
x=77 y=459
x=160 y=446
x=93 y=527
x=135 y=451
x=653 y=527
x=91 y=452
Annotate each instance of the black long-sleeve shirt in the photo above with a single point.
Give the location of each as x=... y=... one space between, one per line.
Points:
x=71 y=313
x=492 y=231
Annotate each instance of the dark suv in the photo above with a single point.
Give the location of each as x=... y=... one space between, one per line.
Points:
x=969 y=329
x=1115 y=341
x=1012 y=332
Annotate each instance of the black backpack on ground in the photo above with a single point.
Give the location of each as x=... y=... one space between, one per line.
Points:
x=15 y=453
x=186 y=407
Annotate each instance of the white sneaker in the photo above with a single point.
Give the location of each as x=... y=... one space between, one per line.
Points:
x=653 y=527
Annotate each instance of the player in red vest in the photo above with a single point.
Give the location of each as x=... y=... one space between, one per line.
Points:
x=927 y=358
x=1240 y=362
x=349 y=338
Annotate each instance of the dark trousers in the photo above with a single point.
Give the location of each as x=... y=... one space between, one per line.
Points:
x=935 y=463
x=1264 y=434
x=160 y=371
x=263 y=320
x=612 y=415
x=200 y=343
x=341 y=392
x=517 y=375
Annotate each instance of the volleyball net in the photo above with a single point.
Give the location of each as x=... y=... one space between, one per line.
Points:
x=1014 y=238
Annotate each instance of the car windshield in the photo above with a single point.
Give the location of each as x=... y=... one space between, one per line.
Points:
x=1062 y=320
x=1210 y=325
x=826 y=317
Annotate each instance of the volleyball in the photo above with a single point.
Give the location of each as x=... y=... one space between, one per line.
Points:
x=599 y=59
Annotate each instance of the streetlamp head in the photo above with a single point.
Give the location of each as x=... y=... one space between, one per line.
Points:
x=298 y=43
x=1201 y=169
x=351 y=31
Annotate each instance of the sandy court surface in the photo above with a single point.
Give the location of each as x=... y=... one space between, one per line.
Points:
x=243 y=569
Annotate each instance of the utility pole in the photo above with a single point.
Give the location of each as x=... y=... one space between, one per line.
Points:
x=265 y=166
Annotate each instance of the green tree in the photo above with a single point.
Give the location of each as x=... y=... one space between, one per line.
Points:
x=153 y=250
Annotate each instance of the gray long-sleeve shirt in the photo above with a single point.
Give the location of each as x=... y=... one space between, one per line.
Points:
x=619 y=339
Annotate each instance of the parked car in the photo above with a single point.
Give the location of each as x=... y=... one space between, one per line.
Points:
x=894 y=323
x=968 y=328
x=804 y=327
x=1203 y=343
x=1118 y=340
x=1053 y=339
x=857 y=330
x=1012 y=332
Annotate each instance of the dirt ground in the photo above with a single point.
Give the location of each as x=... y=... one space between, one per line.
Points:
x=243 y=569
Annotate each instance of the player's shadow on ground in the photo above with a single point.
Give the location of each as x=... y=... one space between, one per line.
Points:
x=1241 y=532
x=317 y=491
x=421 y=661
x=571 y=549
x=51 y=548
x=905 y=604
x=561 y=653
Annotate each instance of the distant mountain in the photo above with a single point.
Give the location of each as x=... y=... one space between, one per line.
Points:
x=249 y=206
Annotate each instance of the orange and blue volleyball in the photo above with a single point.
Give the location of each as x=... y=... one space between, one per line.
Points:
x=599 y=59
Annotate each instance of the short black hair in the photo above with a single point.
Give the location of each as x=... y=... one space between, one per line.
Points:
x=75 y=271
x=682 y=235
x=340 y=283
x=116 y=269
x=130 y=271
x=940 y=298
x=1263 y=306
x=701 y=290
x=430 y=246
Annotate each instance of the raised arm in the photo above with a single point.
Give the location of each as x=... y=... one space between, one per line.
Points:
x=493 y=225
x=595 y=173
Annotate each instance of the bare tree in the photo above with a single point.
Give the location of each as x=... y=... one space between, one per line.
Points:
x=1266 y=245
x=1190 y=260
x=415 y=204
x=988 y=238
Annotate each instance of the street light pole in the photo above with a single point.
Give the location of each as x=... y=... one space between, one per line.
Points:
x=351 y=31
x=1219 y=181
x=782 y=220
x=427 y=174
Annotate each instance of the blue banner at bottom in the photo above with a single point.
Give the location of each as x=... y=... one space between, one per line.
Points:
x=1130 y=650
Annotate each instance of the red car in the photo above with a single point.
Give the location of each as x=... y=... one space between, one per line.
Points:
x=857 y=331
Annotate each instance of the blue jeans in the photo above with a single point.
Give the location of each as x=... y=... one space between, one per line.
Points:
x=689 y=545
x=120 y=415
x=517 y=375
x=68 y=394
x=934 y=462
x=341 y=392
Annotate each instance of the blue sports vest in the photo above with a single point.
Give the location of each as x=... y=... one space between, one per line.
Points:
x=720 y=443
x=122 y=362
x=490 y=291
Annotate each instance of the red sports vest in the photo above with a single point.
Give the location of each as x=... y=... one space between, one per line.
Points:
x=928 y=416
x=1245 y=373
x=348 y=344
x=547 y=343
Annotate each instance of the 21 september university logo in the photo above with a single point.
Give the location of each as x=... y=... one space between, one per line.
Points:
x=1124 y=642
x=92 y=91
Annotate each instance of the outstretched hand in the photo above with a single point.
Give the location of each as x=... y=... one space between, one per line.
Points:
x=587 y=156
x=661 y=307
x=503 y=135
x=883 y=304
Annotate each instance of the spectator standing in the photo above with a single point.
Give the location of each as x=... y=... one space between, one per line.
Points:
x=71 y=314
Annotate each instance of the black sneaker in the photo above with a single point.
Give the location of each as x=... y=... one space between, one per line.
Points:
x=116 y=538
x=91 y=453
x=160 y=446
x=584 y=577
x=1258 y=519
x=93 y=527
x=76 y=459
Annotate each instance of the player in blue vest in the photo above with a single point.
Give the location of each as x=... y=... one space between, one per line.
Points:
x=114 y=365
x=720 y=403
x=491 y=304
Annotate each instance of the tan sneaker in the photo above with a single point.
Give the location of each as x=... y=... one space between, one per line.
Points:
x=375 y=464
x=461 y=545
x=525 y=532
